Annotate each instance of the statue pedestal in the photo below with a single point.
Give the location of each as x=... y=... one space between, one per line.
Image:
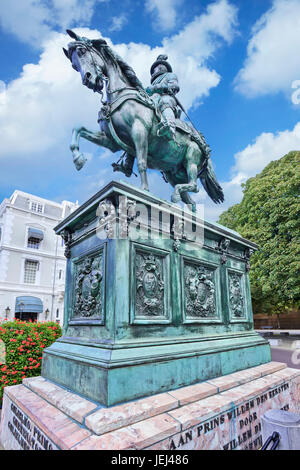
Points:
x=158 y=349
x=156 y=299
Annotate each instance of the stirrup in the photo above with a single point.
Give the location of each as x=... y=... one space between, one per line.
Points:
x=118 y=167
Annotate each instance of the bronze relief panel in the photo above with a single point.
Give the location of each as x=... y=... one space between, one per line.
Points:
x=150 y=286
x=88 y=288
x=200 y=291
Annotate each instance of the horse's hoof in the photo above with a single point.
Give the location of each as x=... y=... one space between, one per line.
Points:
x=80 y=161
x=175 y=197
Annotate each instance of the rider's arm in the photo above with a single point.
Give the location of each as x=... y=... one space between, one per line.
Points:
x=172 y=84
x=169 y=84
x=160 y=88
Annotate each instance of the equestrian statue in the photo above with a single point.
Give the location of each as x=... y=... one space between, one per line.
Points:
x=144 y=123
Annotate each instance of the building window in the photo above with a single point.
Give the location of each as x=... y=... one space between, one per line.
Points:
x=31 y=268
x=35 y=237
x=57 y=313
x=33 y=243
x=36 y=207
x=60 y=274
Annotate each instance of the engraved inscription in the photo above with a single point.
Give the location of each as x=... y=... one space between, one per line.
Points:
x=88 y=288
x=238 y=427
x=21 y=433
x=199 y=291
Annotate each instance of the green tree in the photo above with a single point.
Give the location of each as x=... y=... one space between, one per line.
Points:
x=269 y=215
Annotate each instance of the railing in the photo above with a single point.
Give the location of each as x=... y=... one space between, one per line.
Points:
x=275 y=438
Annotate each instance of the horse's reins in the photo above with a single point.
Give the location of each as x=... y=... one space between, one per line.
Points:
x=99 y=73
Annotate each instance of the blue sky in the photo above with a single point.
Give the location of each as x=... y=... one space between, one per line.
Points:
x=236 y=61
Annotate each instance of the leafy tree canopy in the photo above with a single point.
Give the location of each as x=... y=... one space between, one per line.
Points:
x=269 y=215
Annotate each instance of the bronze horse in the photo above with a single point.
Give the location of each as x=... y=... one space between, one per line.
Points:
x=128 y=121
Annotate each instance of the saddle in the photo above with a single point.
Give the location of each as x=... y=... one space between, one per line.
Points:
x=142 y=97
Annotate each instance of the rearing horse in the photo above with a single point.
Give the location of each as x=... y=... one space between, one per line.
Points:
x=128 y=121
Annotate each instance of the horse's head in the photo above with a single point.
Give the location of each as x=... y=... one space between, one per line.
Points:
x=85 y=58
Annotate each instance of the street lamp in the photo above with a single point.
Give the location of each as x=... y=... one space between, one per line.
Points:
x=7 y=312
x=47 y=311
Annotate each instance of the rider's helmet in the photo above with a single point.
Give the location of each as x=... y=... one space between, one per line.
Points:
x=155 y=70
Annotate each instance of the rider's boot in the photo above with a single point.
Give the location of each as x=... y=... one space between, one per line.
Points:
x=167 y=126
x=125 y=167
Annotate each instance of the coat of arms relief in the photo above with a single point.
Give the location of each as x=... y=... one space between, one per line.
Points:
x=150 y=287
x=88 y=288
x=199 y=289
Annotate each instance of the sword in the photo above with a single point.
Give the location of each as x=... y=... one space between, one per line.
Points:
x=182 y=108
x=206 y=156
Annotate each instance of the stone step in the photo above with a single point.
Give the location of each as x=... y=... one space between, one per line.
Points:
x=30 y=421
x=101 y=420
x=173 y=420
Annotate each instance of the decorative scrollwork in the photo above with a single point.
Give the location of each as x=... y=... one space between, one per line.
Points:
x=236 y=297
x=67 y=238
x=247 y=255
x=107 y=217
x=127 y=213
x=223 y=246
x=178 y=233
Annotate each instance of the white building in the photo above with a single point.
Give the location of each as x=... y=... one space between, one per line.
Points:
x=32 y=261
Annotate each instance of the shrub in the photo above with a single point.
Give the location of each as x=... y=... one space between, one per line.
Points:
x=24 y=344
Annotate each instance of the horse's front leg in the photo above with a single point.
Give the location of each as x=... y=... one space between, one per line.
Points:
x=78 y=158
x=98 y=138
x=140 y=138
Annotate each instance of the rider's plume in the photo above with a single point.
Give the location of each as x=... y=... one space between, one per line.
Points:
x=162 y=57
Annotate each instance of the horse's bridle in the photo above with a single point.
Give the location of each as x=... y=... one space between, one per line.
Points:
x=99 y=74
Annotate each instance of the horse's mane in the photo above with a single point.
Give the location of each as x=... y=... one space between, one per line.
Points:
x=102 y=47
x=125 y=68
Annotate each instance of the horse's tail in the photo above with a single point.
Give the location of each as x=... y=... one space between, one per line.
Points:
x=209 y=181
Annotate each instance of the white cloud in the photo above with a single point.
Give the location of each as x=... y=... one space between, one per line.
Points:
x=201 y=38
x=252 y=160
x=188 y=51
x=44 y=103
x=273 y=59
x=33 y=20
x=118 y=22
x=164 y=12
x=267 y=147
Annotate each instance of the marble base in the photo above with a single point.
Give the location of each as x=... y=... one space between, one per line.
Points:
x=222 y=413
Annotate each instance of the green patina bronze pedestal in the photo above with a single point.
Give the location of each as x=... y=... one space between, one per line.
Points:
x=155 y=299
